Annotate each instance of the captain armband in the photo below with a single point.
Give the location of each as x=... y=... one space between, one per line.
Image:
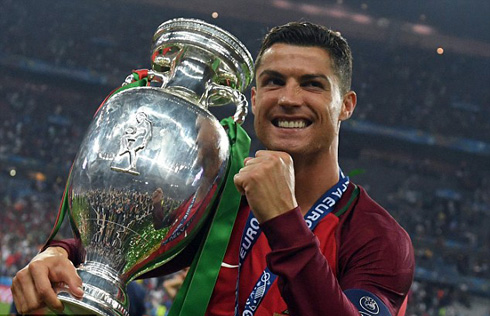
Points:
x=367 y=303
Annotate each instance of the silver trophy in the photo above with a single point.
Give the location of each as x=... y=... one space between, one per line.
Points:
x=152 y=162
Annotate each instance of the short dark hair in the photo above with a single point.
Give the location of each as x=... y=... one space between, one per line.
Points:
x=309 y=34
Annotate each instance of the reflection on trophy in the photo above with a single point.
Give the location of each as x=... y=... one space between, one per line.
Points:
x=152 y=163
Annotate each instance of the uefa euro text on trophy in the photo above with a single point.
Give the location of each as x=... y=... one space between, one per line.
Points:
x=153 y=161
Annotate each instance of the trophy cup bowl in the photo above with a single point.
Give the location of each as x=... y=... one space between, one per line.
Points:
x=151 y=165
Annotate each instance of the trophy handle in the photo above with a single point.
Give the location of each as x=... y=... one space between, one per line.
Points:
x=215 y=91
x=159 y=76
x=151 y=75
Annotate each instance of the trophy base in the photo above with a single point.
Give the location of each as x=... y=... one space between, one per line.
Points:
x=103 y=294
x=75 y=306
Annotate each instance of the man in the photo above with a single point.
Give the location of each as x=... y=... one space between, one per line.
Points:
x=316 y=243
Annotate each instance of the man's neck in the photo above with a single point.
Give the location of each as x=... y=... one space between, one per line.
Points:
x=313 y=179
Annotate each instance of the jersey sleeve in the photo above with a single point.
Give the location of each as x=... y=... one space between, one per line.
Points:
x=376 y=254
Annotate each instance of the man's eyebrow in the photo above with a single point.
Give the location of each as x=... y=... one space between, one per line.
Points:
x=315 y=76
x=271 y=73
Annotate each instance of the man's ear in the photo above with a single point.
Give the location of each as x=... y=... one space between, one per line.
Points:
x=252 y=99
x=348 y=105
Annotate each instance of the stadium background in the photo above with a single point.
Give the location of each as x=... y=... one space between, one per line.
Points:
x=419 y=140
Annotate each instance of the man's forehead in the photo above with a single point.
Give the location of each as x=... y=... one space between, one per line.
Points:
x=314 y=57
x=299 y=48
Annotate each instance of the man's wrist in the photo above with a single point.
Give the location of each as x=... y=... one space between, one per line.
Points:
x=58 y=250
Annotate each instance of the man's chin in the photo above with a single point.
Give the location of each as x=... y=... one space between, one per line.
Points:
x=287 y=148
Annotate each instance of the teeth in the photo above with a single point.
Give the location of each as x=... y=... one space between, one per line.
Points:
x=291 y=124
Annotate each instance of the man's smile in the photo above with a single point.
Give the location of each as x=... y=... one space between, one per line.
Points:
x=291 y=123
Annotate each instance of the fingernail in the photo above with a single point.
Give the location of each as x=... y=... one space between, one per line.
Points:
x=79 y=291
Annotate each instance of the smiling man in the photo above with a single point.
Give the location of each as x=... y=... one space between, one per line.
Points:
x=306 y=241
x=326 y=248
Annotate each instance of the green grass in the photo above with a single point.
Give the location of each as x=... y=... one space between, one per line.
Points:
x=4 y=308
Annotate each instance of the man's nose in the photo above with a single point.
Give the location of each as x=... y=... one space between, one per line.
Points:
x=291 y=96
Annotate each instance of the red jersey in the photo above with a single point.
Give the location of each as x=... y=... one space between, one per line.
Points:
x=357 y=246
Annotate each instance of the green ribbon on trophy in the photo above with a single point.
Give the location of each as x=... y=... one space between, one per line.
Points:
x=195 y=293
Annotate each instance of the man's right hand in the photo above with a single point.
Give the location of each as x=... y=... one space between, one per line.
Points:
x=34 y=286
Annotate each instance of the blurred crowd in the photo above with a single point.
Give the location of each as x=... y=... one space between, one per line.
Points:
x=40 y=121
x=406 y=87
x=444 y=206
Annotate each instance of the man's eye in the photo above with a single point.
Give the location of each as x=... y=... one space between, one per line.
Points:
x=273 y=82
x=314 y=84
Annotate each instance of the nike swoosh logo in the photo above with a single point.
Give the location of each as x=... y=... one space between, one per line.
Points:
x=226 y=265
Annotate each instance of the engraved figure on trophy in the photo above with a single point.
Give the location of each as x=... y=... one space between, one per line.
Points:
x=134 y=139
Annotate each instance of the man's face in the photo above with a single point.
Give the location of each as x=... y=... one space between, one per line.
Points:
x=297 y=102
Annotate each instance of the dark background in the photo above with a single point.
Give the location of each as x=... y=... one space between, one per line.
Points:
x=419 y=140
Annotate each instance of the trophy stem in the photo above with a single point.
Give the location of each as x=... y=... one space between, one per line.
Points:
x=104 y=293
